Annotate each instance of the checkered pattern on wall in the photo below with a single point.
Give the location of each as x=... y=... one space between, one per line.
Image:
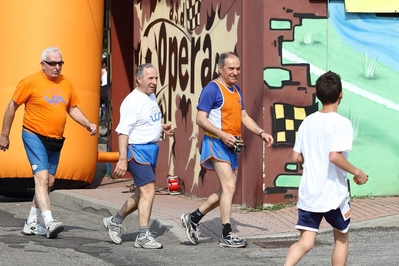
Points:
x=286 y=121
x=193 y=13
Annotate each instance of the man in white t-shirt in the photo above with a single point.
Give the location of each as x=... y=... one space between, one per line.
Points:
x=139 y=130
x=322 y=145
x=104 y=82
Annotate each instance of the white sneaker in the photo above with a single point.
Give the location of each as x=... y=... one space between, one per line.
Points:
x=34 y=228
x=114 y=230
x=147 y=241
x=54 y=228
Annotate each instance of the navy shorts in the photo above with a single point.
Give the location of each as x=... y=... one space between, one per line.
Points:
x=142 y=160
x=39 y=157
x=310 y=221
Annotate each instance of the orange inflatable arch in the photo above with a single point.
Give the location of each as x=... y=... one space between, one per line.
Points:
x=28 y=27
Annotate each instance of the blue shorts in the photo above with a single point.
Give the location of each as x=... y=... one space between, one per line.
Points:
x=215 y=148
x=310 y=221
x=142 y=160
x=39 y=157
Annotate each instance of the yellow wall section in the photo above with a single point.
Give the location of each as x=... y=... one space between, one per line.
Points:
x=26 y=28
x=372 y=6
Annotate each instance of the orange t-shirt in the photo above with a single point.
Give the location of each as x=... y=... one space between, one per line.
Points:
x=229 y=115
x=46 y=103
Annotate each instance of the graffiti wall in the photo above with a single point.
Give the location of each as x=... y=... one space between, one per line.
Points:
x=183 y=39
x=284 y=47
x=359 y=47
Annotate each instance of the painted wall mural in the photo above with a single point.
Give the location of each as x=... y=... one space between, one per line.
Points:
x=183 y=39
x=361 y=48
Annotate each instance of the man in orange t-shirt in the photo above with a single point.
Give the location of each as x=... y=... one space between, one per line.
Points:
x=48 y=96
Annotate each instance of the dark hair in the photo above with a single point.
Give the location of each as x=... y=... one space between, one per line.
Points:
x=223 y=57
x=328 y=87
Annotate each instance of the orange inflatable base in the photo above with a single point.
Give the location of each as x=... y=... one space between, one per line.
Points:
x=24 y=188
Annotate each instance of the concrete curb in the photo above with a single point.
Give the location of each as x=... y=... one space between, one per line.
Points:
x=160 y=225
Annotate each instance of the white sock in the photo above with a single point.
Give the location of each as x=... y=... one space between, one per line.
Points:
x=33 y=215
x=47 y=217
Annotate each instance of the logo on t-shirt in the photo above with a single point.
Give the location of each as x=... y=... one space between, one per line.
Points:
x=156 y=114
x=52 y=96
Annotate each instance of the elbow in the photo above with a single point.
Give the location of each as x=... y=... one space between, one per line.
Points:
x=333 y=157
x=297 y=157
x=199 y=121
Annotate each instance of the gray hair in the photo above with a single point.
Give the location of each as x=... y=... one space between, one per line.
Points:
x=140 y=69
x=49 y=50
x=223 y=57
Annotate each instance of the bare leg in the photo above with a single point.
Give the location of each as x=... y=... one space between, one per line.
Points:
x=211 y=203
x=228 y=180
x=224 y=196
x=297 y=250
x=43 y=184
x=130 y=204
x=341 y=249
x=147 y=195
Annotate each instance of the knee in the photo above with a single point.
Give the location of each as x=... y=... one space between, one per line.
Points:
x=230 y=187
x=42 y=182
x=307 y=246
x=147 y=192
x=50 y=183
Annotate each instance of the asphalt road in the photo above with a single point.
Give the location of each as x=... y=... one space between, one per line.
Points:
x=86 y=242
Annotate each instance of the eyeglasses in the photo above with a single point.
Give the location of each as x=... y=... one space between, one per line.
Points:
x=53 y=63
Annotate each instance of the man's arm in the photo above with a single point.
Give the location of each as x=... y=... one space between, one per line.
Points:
x=251 y=125
x=339 y=160
x=7 y=123
x=80 y=118
x=121 y=165
x=297 y=157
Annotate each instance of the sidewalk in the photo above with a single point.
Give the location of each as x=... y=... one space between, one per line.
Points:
x=110 y=195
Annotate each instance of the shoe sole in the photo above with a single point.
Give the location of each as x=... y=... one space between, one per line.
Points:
x=138 y=246
x=223 y=245
x=56 y=231
x=105 y=223
x=187 y=229
x=28 y=233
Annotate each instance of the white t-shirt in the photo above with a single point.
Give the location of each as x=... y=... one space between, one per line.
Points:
x=140 y=118
x=104 y=78
x=323 y=185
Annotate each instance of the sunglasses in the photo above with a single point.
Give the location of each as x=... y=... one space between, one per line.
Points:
x=53 y=63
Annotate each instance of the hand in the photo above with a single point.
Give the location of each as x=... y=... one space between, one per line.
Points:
x=120 y=168
x=227 y=139
x=361 y=178
x=92 y=128
x=168 y=129
x=267 y=138
x=4 y=143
